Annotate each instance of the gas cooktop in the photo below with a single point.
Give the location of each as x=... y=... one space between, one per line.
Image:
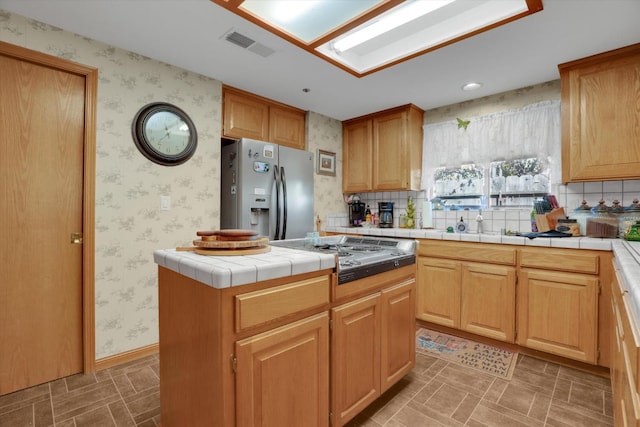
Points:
x=359 y=257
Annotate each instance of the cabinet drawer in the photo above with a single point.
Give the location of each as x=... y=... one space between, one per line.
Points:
x=260 y=307
x=479 y=252
x=577 y=261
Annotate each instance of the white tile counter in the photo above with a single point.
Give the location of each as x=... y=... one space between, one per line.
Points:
x=557 y=242
x=227 y=271
x=627 y=264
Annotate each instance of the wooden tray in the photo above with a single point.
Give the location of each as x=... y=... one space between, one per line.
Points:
x=219 y=244
x=233 y=252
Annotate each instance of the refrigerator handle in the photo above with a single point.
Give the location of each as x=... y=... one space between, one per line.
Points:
x=276 y=176
x=284 y=203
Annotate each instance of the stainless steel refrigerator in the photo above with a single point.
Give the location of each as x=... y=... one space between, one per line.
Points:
x=267 y=188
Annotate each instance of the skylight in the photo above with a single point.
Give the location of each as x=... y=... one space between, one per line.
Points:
x=365 y=36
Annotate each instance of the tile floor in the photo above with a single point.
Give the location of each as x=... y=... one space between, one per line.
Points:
x=435 y=393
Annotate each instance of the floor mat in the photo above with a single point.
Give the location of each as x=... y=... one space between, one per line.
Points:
x=486 y=358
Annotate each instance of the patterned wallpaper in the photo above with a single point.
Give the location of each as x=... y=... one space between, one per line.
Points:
x=129 y=222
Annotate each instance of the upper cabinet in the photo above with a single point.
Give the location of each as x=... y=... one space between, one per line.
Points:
x=250 y=116
x=383 y=151
x=601 y=116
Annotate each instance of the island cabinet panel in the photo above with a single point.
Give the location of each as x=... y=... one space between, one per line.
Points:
x=557 y=313
x=398 y=349
x=601 y=116
x=439 y=291
x=264 y=306
x=355 y=358
x=488 y=301
x=282 y=376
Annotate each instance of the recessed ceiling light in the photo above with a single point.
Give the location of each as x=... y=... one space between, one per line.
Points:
x=472 y=86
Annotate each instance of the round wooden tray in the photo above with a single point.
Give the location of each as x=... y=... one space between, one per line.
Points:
x=220 y=244
x=232 y=252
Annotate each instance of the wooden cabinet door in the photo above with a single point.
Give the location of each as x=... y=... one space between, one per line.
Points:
x=488 y=300
x=558 y=313
x=282 y=376
x=390 y=152
x=357 y=173
x=398 y=340
x=245 y=117
x=439 y=291
x=355 y=358
x=287 y=127
x=601 y=117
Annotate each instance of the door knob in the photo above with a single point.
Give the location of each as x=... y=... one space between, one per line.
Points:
x=76 y=238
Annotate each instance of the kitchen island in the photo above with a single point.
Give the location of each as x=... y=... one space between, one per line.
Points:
x=245 y=340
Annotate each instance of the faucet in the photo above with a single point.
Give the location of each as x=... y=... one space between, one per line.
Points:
x=479 y=221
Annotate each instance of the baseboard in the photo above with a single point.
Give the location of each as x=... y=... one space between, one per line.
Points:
x=127 y=356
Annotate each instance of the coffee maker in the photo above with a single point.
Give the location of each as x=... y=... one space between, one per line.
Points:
x=385 y=210
x=356 y=214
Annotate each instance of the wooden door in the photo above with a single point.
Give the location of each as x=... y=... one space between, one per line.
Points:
x=439 y=291
x=282 y=376
x=357 y=172
x=398 y=333
x=558 y=313
x=43 y=110
x=287 y=127
x=245 y=117
x=355 y=357
x=488 y=300
x=391 y=170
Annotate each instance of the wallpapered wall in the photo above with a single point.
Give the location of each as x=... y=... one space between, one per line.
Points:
x=129 y=223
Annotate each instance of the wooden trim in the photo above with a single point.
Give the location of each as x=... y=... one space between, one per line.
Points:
x=88 y=210
x=127 y=356
x=234 y=6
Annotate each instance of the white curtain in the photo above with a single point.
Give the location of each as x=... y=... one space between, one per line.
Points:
x=531 y=131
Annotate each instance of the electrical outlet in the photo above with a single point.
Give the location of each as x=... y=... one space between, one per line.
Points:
x=165 y=203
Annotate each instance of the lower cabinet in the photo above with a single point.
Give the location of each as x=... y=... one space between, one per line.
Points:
x=625 y=351
x=558 y=313
x=282 y=376
x=373 y=346
x=555 y=296
x=474 y=297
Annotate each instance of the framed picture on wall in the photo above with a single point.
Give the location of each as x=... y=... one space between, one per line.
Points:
x=326 y=163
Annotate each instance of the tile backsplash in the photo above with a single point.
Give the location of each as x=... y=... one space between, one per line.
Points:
x=495 y=219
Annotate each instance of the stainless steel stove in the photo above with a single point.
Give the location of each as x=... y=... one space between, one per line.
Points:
x=359 y=257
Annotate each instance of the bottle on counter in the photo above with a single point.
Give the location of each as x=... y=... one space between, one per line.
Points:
x=367 y=214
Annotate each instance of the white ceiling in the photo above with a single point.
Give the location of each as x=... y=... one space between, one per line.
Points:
x=188 y=34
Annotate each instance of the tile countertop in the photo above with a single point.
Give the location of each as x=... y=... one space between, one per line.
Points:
x=226 y=271
x=562 y=242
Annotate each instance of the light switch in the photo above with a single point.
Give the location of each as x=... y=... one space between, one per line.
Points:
x=165 y=203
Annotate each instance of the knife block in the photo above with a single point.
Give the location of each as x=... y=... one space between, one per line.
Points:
x=548 y=221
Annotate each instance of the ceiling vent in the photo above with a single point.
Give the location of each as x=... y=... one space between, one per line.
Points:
x=248 y=43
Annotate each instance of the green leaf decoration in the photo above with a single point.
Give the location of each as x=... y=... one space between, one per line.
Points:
x=463 y=123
